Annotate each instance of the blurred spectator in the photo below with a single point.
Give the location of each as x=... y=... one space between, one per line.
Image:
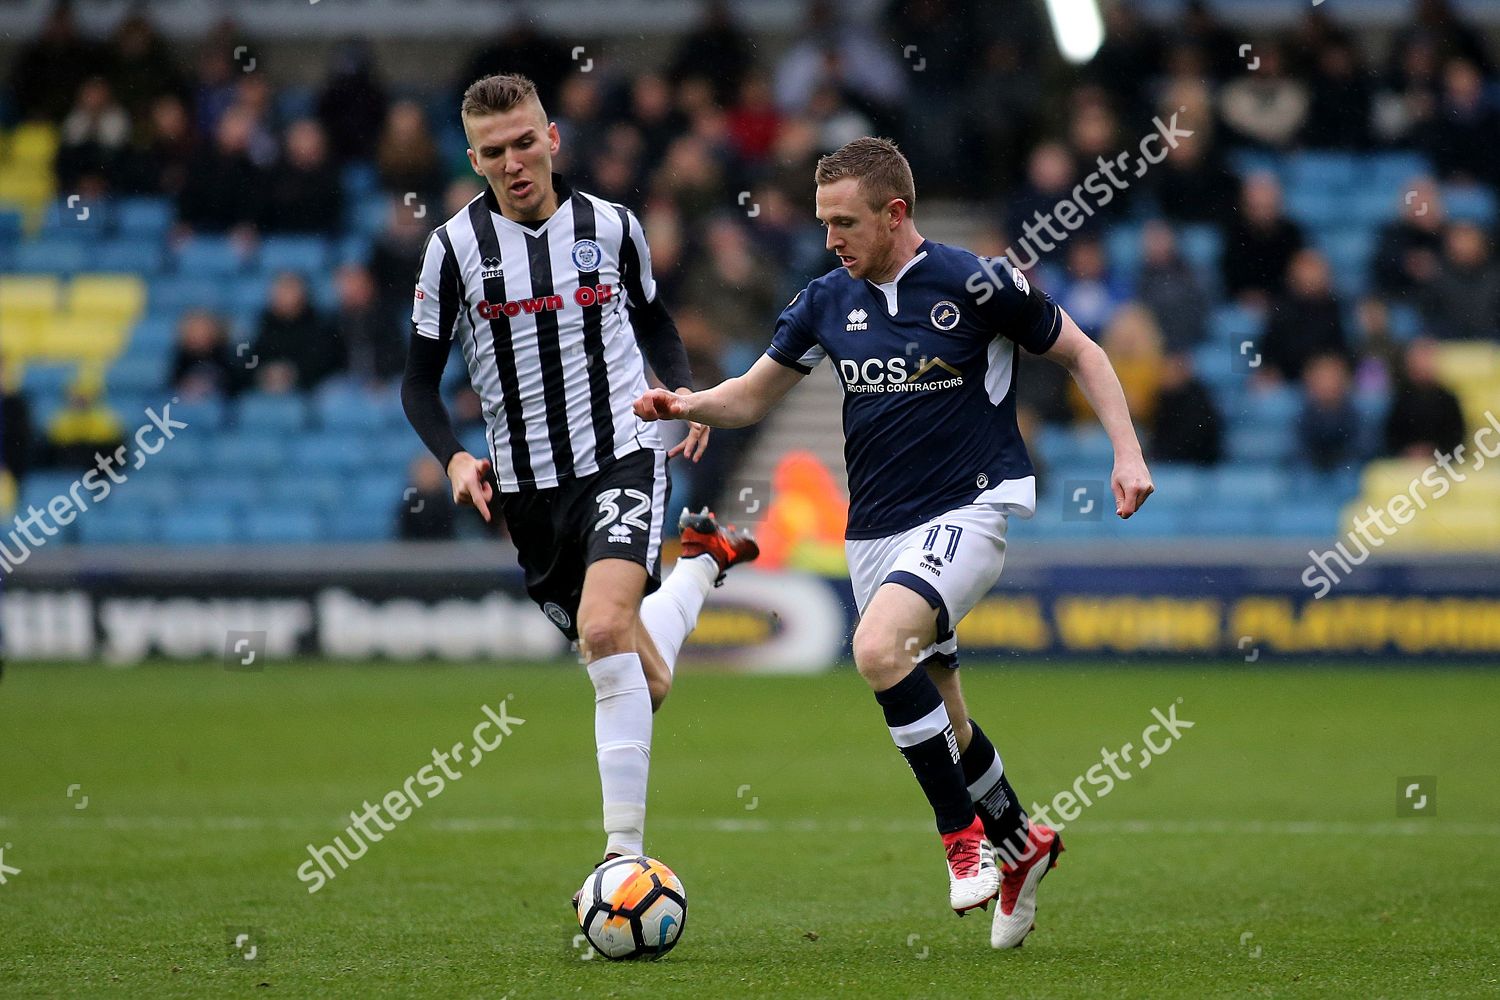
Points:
x=716 y=50
x=224 y=189
x=1328 y=428
x=373 y=347
x=654 y=115
x=691 y=176
x=1461 y=136
x=1339 y=117
x=84 y=426
x=1306 y=322
x=1409 y=250
x=754 y=120
x=1463 y=300
x=1089 y=293
x=1376 y=347
x=1134 y=345
x=579 y=114
x=1171 y=290
x=15 y=426
x=352 y=104
x=93 y=141
x=1425 y=415
x=845 y=54
x=48 y=71
x=1187 y=427
x=520 y=48
x=1266 y=106
x=1217 y=45
x=253 y=96
x=425 y=513
x=1450 y=36
x=1001 y=111
x=202 y=364
x=160 y=165
x=1129 y=60
x=304 y=193
x=838 y=122
x=1408 y=97
x=408 y=157
x=297 y=350
x=736 y=291
x=1192 y=185
x=142 y=67
x=1031 y=222
x=213 y=87
x=1260 y=243
x=394 y=259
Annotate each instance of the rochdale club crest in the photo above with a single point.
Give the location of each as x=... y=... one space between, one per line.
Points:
x=944 y=315
x=559 y=617
x=587 y=255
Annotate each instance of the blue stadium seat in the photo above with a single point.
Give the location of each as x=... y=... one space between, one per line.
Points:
x=1122 y=245
x=1258 y=486
x=1203 y=248
x=198 y=525
x=11 y=225
x=265 y=414
x=236 y=488
x=1394 y=171
x=1316 y=207
x=1314 y=169
x=142 y=256
x=1261 y=444
x=1349 y=250
x=1470 y=204
x=1227 y=517
x=1178 y=483
x=204 y=415
x=51 y=255
x=346 y=408
x=365 y=524
x=209 y=257
x=85 y=219
x=354 y=249
x=1374 y=206
x=250 y=448
x=282 y=526
x=327 y=452
x=38 y=489
x=180 y=292
x=144 y=217
x=304 y=490
x=1406 y=321
x=1305 y=519
x=114 y=525
x=153 y=337
x=186 y=454
x=1232 y=324
x=360 y=180
x=1279 y=405
x=49 y=380
x=304 y=254
x=137 y=374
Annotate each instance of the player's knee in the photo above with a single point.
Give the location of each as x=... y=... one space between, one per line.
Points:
x=607 y=632
x=879 y=659
x=659 y=687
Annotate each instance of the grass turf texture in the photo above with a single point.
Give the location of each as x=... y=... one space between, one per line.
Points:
x=1261 y=856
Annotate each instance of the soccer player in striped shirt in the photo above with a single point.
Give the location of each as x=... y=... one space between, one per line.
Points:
x=549 y=293
x=926 y=339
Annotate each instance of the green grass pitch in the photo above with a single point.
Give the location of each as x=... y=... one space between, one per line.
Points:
x=1263 y=855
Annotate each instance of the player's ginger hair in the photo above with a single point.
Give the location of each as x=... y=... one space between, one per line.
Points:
x=497 y=93
x=878 y=165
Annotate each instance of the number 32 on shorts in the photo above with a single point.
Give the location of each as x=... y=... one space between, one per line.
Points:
x=610 y=512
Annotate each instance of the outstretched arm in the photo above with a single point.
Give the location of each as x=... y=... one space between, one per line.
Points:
x=735 y=402
x=1090 y=368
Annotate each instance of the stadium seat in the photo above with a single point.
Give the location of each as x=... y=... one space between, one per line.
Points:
x=113 y=525
x=1203 y=248
x=143 y=256
x=113 y=299
x=255 y=450
x=209 y=257
x=1266 y=443
x=249 y=294
x=180 y=292
x=198 y=525
x=143 y=218
x=327 y=452
x=361 y=524
x=235 y=487
x=1470 y=204
x=304 y=490
x=205 y=414
x=74 y=217
x=303 y=254
x=153 y=336
x=1331 y=171
x=1235 y=323
x=48 y=379
x=51 y=256
x=137 y=375
x=1305 y=519
x=1395 y=171
x=1259 y=486
x=282 y=526
x=267 y=414
x=346 y=408
x=1273 y=406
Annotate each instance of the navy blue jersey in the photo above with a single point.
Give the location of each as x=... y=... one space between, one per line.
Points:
x=928 y=362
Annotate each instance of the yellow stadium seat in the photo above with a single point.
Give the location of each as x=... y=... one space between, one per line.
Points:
x=21 y=338
x=118 y=298
x=28 y=296
x=1468 y=361
x=26 y=186
x=34 y=143
x=71 y=339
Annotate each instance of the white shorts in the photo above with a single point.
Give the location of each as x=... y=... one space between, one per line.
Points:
x=952 y=560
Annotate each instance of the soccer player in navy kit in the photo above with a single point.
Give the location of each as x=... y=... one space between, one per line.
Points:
x=926 y=339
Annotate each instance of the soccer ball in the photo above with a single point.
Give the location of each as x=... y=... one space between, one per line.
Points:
x=632 y=907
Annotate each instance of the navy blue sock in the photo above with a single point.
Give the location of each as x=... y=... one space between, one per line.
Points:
x=997 y=804
x=919 y=724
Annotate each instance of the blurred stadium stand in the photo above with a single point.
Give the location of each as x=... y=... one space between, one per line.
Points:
x=96 y=278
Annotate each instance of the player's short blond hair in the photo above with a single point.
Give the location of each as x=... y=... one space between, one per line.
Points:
x=878 y=165
x=498 y=93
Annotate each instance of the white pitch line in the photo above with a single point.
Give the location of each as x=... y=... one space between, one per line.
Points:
x=749 y=825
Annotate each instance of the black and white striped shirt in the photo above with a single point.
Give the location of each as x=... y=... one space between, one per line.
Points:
x=544 y=318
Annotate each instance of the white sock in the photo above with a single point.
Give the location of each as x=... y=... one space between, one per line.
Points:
x=622 y=733
x=671 y=613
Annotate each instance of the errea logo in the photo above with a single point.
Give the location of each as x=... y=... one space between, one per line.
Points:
x=857 y=322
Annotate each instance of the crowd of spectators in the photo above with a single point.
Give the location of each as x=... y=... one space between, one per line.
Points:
x=715 y=149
